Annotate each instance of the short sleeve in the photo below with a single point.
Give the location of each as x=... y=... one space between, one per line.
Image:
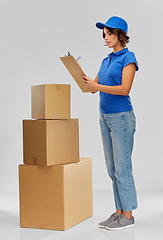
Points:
x=130 y=58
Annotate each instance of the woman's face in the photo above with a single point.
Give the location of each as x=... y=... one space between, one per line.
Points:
x=111 y=39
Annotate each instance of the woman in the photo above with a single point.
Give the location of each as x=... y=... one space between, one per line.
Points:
x=117 y=119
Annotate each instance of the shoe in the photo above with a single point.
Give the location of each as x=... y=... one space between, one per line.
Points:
x=121 y=223
x=112 y=218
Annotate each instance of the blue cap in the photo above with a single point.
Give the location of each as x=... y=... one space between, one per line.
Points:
x=114 y=22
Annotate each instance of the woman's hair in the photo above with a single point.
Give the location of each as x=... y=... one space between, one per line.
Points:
x=122 y=36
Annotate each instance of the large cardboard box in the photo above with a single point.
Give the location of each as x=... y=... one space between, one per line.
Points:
x=50 y=142
x=55 y=197
x=50 y=101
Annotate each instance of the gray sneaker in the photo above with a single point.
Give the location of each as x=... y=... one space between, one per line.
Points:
x=112 y=218
x=121 y=223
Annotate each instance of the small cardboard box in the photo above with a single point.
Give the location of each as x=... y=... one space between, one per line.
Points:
x=50 y=142
x=50 y=101
x=55 y=197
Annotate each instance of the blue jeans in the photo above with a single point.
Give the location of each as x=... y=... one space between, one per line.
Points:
x=117 y=131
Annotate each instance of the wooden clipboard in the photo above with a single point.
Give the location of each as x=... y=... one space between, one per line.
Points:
x=76 y=71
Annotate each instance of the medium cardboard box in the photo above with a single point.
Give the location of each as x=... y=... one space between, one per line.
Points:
x=55 y=197
x=50 y=142
x=50 y=101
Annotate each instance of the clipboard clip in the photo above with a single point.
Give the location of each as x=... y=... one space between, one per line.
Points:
x=68 y=54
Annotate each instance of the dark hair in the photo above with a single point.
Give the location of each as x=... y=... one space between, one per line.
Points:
x=122 y=36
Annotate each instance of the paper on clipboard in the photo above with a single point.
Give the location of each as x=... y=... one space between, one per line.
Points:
x=76 y=71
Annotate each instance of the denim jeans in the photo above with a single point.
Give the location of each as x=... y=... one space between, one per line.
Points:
x=117 y=131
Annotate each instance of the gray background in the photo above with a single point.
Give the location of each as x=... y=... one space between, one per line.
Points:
x=35 y=33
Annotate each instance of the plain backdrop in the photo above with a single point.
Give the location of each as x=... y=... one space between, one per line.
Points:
x=35 y=33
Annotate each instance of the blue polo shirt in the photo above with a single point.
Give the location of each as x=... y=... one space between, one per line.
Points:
x=110 y=74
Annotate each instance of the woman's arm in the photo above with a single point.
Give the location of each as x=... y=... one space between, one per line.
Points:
x=96 y=81
x=123 y=89
x=96 y=78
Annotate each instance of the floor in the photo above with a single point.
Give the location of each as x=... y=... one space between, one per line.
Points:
x=149 y=220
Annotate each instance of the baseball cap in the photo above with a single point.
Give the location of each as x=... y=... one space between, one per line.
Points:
x=114 y=22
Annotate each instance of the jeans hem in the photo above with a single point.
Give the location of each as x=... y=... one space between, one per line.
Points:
x=129 y=210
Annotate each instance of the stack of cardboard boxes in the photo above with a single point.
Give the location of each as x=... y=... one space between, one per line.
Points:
x=55 y=184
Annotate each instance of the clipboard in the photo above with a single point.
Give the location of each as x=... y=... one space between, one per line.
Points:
x=76 y=71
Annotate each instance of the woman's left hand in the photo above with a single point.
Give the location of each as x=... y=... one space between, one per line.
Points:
x=91 y=84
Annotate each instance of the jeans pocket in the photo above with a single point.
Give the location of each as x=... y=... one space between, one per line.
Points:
x=133 y=120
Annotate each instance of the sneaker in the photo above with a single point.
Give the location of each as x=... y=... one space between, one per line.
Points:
x=121 y=223
x=112 y=218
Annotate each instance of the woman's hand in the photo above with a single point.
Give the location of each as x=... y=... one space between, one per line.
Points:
x=90 y=84
x=123 y=89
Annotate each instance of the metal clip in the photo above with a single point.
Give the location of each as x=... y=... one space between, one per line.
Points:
x=68 y=54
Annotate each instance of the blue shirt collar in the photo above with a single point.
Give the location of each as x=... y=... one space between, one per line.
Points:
x=119 y=52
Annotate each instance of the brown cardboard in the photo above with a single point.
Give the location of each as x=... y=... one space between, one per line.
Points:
x=50 y=142
x=55 y=197
x=76 y=71
x=50 y=101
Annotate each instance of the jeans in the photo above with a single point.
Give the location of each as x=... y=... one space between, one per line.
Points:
x=117 y=131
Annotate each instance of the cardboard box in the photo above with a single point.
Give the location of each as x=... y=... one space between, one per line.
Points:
x=55 y=197
x=50 y=142
x=50 y=101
